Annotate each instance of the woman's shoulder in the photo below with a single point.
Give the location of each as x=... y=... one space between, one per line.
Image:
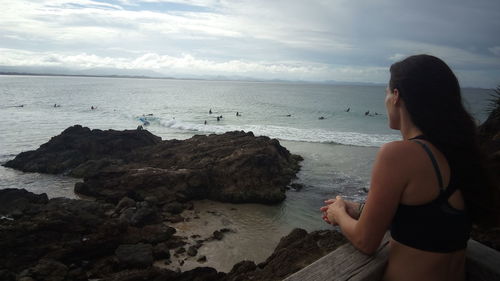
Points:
x=398 y=148
x=400 y=152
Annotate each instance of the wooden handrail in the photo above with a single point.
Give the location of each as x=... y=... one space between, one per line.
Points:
x=347 y=263
x=483 y=263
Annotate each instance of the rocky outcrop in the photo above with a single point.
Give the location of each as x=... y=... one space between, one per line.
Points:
x=294 y=252
x=79 y=151
x=57 y=230
x=135 y=255
x=66 y=239
x=233 y=167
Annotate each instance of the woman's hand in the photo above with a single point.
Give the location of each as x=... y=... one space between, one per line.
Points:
x=352 y=209
x=335 y=209
x=324 y=211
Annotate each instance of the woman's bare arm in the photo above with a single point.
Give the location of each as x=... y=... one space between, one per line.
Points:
x=390 y=176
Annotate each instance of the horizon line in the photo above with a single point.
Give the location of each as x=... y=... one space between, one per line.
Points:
x=222 y=78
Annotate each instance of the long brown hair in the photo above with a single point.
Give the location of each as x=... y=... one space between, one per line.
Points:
x=431 y=93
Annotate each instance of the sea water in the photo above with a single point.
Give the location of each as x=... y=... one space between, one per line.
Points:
x=337 y=129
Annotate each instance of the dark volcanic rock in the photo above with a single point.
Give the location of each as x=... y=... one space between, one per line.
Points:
x=138 y=255
x=294 y=251
x=174 y=208
x=156 y=274
x=180 y=250
x=145 y=214
x=489 y=236
x=218 y=235
x=161 y=251
x=232 y=167
x=201 y=274
x=152 y=234
x=124 y=203
x=7 y=275
x=192 y=251
x=137 y=183
x=175 y=218
x=47 y=270
x=242 y=268
x=61 y=230
x=15 y=202
x=77 y=145
x=141 y=274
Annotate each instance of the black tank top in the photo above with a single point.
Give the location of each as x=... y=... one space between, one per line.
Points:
x=435 y=226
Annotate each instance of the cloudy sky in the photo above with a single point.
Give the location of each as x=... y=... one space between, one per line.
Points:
x=310 y=40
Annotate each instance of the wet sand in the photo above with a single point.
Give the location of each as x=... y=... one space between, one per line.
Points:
x=253 y=234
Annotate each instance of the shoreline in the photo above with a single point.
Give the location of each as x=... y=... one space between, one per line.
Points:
x=241 y=239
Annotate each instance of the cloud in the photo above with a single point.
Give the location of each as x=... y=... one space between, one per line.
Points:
x=335 y=39
x=495 y=50
x=453 y=56
x=397 y=57
x=187 y=64
x=202 y=3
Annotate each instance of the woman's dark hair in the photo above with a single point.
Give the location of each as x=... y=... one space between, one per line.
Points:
x=432 y=97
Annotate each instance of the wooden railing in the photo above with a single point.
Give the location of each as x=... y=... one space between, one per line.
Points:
x=347 y=263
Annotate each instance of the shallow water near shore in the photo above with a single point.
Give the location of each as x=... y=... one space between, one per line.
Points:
x=254 y=231
x=338 y=150
x=258 y=228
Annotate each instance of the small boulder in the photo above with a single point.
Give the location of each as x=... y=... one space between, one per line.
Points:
x=124 y=203
x=152 y=200
x=175 y=219
x=180 y=250
x=126 y=215
x=192 y=251
x=174 y=208
x=48 y=270
x=138 y=255
x=145 y=214
x=161 y=251
x=7 y=275
x=13 y=202
x=243 y=267
x=218 y=235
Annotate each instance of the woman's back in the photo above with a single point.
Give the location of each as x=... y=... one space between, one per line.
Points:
x=408 y=264
x=422 y=194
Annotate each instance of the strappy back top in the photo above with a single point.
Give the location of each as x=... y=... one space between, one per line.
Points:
x=435 y=226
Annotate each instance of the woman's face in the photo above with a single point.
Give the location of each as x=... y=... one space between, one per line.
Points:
x=392 y=113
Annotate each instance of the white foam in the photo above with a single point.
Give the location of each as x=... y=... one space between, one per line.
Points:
x=288 y=133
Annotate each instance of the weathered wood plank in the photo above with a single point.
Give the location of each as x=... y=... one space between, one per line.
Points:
x=346 y=263
x=483 y=263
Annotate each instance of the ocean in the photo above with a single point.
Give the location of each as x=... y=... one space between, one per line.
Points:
x=337 y=129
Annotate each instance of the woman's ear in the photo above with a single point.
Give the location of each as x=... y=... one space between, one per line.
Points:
x=397 y=96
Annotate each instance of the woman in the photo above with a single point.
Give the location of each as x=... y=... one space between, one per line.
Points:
x=422 y=187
